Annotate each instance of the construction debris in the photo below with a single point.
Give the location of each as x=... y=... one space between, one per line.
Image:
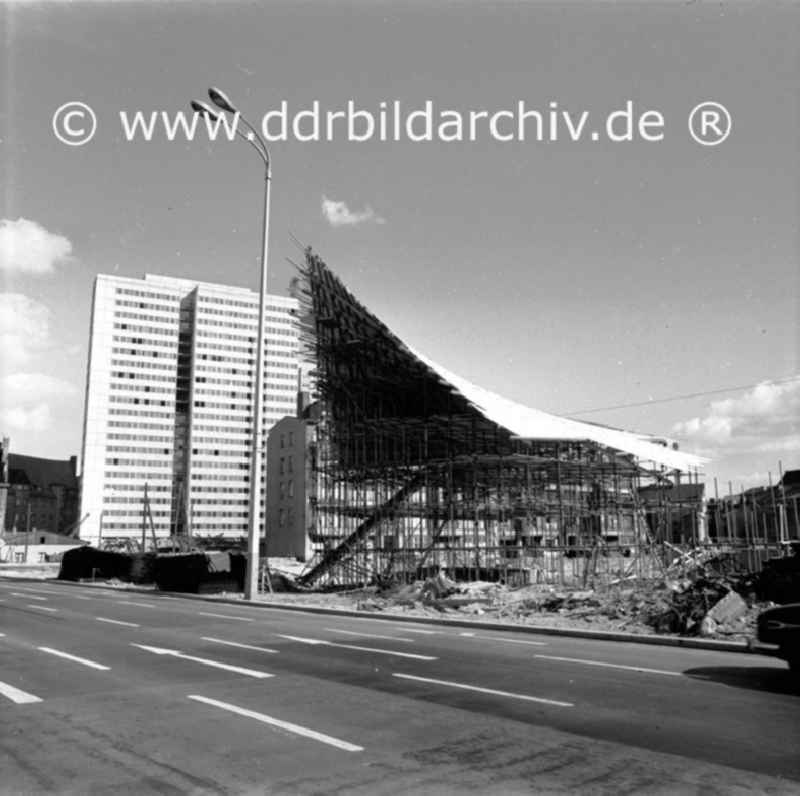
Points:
x=729 y=609
x=698 y=595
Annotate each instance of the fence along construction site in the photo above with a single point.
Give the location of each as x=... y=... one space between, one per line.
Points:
x=417 y=470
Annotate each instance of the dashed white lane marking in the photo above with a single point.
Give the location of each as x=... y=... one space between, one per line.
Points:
x=469 y=635
x=511 y=640
x=609 y=665
x=43 y=608
x=15 y=695
x=116 y=622
x=80 y=597
x=361 y=649
x=237 y=644
x=138 y=605
x=82 y=661
x=367 y=635
x=226 y=616
x=405 y=627
x=205 y=661
x=492 y=691
x=284 y=725
x=28 y=596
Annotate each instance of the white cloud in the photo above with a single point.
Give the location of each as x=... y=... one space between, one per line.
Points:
x=27 y=247
x=24 y=330
x=790 y=443
x=338 y=214
x=27 y=397
x=36 y=418
x=765 y=418
x=25 y=400
x=25 y=387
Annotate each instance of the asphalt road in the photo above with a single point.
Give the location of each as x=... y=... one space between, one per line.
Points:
x=105 y=691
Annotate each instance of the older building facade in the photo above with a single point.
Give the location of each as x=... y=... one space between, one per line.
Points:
x=40 y=495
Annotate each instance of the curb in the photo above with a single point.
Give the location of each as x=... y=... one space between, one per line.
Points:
x=597 y=635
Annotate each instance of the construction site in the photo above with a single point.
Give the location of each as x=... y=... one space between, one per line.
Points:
x=416 y=470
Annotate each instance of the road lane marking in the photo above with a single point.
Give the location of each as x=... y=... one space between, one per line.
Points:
x=42 y=608
x=36 y=591
x=417 y=630
x=284 y=725
x=492 y=691
x=205 y=661
x=510 y=640
x=610 y=665
x=367 y=635
x=361 y=649
x=15 y=695
x=468 y=635
x=83 y=661
x=28 y=596
x=403 y=625
x=226 y=616
x=116 y=621
x=237 y=644
x=80 y=597
x=130 y=602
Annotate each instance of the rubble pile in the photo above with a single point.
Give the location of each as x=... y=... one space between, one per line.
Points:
x=700 y=592
x=702 y=601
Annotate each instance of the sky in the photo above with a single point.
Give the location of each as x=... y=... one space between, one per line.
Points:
x=566 y=275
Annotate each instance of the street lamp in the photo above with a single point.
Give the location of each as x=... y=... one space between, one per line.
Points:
x=254 y=525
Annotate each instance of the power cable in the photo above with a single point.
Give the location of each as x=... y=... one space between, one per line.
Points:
x=682 y=397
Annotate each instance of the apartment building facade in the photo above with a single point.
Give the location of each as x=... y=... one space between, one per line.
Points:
x=169 y=397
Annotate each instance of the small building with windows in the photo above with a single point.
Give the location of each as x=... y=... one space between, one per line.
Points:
x=290 y=461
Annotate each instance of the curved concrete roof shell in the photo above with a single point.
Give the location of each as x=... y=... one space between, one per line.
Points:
x=527 y=423
x=354 y=320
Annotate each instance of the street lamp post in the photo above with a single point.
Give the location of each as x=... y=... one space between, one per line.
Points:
x=254 y=523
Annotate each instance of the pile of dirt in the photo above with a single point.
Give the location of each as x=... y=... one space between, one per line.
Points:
x=84 y=563
x=200 y=572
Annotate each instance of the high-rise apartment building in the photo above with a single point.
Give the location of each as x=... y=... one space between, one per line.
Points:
x=169 y=399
